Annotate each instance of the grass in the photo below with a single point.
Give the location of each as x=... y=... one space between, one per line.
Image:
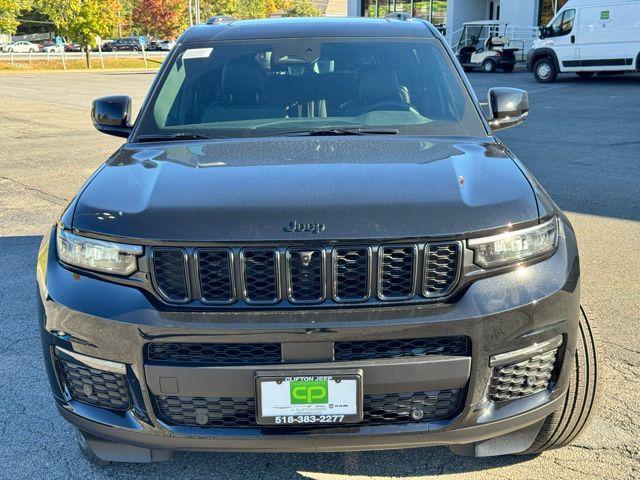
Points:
x=77 y=64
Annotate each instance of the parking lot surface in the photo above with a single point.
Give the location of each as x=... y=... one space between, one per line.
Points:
x=582 y=141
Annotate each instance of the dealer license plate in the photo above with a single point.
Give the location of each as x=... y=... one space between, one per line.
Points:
x=302 y=399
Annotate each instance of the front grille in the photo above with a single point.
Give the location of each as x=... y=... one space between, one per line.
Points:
x=441 y=268
x=517 y=380
x=417 y=347
x=214 y=275
x=351 y=274
x=392 y=408
x=307 y=275
x=397 y=267
x=271 y=353
x=170 y=273
x=215 y=353
x=261 y=276
x=92 y=386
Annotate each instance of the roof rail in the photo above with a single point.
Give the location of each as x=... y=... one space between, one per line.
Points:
x=220 y=19
x=398 y=16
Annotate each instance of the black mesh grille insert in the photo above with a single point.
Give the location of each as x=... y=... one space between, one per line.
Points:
x=215 y=353
x=306 y=275
x=261 y=276
x=396 y=272
x=92 y=386
x=415 y=347
x=441 y=268
x=227 y=277
x=170 y=274
x=271 y=353
x=391 y=408
x=215 y=275
x=523 y=378
x=209 y=411
x=351 y=274
x=412 y=407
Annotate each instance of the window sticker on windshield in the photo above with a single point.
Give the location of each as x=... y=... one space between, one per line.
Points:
x=197 y=53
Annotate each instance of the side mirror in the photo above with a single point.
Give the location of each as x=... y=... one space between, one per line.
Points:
x=544 y=32
x=508 y=107
x=112 y=115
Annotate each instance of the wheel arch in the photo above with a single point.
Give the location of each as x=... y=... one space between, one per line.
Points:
x=548 y=53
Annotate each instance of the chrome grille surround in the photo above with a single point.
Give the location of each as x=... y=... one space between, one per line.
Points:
x=327 y=275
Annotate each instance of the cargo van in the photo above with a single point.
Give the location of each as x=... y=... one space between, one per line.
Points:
x=586 y=37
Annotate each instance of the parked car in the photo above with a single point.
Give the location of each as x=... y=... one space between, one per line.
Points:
x=152 y=44
x=125 y=44
x=325 y=249
x=3 y=45
x=165 y=45
x=49 y=46
x=73 y=47
x=22 y=47
x=587 y=37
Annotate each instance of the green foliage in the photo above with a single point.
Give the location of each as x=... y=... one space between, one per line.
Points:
x=9 y=10
x=160 y=18
x=244 y=9
x=82 y=20
x=301 y=8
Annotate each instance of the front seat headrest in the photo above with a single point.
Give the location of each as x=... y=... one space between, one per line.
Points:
x=378 y=83
x=242 y=82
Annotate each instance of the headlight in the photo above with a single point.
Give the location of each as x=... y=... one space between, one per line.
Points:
x=98 y=255
x=517 y=246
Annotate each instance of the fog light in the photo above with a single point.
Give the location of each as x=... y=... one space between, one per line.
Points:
x=523 y=372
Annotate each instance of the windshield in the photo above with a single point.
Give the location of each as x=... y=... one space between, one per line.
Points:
x=288 y=86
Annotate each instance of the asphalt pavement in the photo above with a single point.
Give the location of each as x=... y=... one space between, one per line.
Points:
x=581 y=140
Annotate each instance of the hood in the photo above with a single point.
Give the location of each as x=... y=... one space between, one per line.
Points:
x=339 y=188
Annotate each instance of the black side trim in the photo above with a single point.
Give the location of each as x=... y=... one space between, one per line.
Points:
x=606 y=62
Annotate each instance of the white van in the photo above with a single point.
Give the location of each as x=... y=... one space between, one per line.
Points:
x=588 y=36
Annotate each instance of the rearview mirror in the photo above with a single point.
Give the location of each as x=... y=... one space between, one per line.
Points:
x=508 y=107
x=112 y=115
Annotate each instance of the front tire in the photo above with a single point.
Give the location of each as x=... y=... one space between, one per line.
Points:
x=545 y=71
x=488 y=66
x=562 y=427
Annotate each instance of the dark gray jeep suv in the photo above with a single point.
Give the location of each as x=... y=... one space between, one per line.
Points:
x=312 y=241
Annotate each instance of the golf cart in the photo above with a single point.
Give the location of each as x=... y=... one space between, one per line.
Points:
x=484 y=44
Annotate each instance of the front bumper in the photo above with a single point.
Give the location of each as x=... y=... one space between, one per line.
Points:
x=499 y=314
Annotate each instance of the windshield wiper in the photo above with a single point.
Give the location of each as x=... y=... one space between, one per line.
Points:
x=172 y=136
x=319 y=132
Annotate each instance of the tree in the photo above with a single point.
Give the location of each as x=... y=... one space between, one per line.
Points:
x=160 y=18
x=82 y=20
x=243 y=9
x=9 y=10
x=301 y=8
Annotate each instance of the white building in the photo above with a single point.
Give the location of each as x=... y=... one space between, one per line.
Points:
x=449 y=15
